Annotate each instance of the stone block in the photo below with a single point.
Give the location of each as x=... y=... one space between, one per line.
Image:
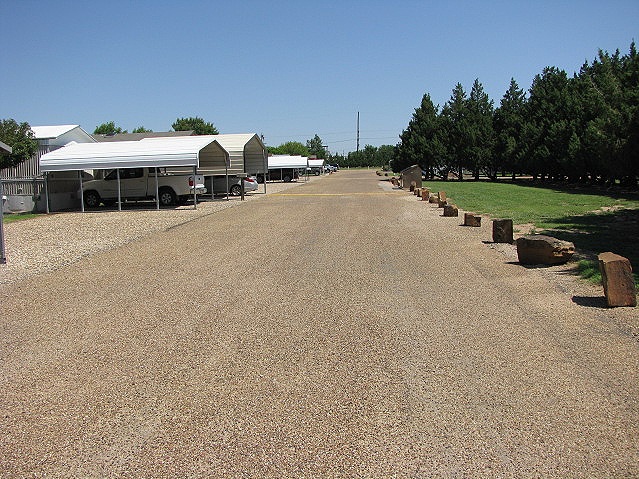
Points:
x=618 y=282
x=471 y=219
x=441 y=199
x=542 y=249
x=503 y=231
x=432 y=198
x=451 y=210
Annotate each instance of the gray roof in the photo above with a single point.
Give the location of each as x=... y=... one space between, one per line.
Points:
x=411 y=169
x=5 y=149
x=140 y=136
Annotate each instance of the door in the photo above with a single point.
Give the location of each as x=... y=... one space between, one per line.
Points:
x=133 y=182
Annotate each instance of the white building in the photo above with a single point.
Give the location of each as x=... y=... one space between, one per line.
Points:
x=23 y=184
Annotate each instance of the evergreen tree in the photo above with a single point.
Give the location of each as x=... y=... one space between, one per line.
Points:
x=480 y=132
x=508 y=123
x=457 y=131
x=315 y=147
x=549 y=127
x=421 y=142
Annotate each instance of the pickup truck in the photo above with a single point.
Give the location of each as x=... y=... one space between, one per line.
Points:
x=139 y=184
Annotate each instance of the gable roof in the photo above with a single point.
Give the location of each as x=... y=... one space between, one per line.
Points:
x=160 y=152
x=5 y=149
x=51 y=131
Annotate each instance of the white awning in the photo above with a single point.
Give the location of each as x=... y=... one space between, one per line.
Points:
x=193 y=151
x=287 y=161
x=315 y=163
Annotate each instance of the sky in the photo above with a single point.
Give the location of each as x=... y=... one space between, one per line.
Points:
x=285 y=69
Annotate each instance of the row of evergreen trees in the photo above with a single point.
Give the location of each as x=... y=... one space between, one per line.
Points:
x=584 y=127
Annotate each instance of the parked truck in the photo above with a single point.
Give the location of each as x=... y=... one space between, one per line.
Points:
x=140 y=184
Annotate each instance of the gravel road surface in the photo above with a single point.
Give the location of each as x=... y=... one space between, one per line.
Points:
x=339 y=328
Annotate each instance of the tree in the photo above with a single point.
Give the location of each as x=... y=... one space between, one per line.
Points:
x=197 y=124
x=508 y=122
x=421 y=142
x=480 y=131
x=314 y=146
x=384 y=155
x=141 y=129
x=457 y=128
x=289 y=148
x=21 y=140
x=550 y=125
x=108 y=128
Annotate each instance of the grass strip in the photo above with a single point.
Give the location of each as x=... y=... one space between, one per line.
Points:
x=595 y=219
x=13 y=217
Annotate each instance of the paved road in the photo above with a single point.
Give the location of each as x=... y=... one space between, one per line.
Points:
x=339 y=329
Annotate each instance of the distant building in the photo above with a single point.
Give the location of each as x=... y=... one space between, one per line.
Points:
x=139 y=136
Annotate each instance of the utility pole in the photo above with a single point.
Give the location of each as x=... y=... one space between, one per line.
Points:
x=357 y=131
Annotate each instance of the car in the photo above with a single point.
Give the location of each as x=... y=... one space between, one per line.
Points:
x=216 y=185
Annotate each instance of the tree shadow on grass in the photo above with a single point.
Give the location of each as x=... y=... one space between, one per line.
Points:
x=594 y=233
x=615 y=192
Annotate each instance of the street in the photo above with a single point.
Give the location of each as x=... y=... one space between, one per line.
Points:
x=340 y=328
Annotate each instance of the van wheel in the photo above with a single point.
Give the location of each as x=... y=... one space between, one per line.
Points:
x=236 y=190
x=167 y=197
x=91 y=199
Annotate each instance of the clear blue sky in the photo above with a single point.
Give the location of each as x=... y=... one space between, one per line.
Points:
x=285 y=69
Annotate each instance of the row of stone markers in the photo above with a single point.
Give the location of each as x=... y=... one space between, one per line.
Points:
x=616 y=271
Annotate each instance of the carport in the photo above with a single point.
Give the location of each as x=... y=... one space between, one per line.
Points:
x=247 y=152
x=191 y=152
x=278 y=163
x=246 y=155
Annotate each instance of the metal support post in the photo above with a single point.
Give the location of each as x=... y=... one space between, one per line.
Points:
x=46 y=192
x=157 y=190
x=81 y=192
x=194 y=188
x=3 y=256
x=117 y=172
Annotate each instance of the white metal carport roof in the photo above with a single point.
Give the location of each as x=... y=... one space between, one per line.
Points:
x=287 y=161
x=315 y=163
x=248 y=147
x=193 y=151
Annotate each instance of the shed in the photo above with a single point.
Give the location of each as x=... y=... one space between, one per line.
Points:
x=411 y=174
x=190 y=152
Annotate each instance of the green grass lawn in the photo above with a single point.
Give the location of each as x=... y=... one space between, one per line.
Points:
x=11 y=217
x=594 y=219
